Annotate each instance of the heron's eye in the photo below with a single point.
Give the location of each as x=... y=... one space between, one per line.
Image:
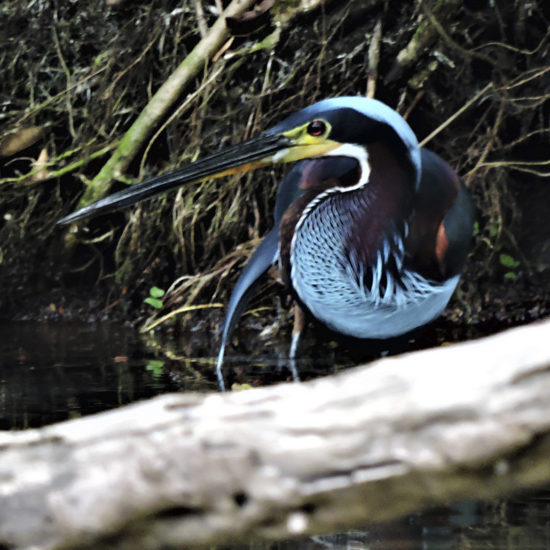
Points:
x=316 y=128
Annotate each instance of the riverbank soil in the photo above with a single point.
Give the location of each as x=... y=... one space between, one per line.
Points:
x=76 y=75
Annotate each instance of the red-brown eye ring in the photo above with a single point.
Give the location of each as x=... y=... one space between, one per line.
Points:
x=316 y=128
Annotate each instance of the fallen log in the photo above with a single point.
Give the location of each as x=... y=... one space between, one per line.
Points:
x=465 y=421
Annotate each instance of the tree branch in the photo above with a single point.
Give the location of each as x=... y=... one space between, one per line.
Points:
x=464 y=421
x=160 y=103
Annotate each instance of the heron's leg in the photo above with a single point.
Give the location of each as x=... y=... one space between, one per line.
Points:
x=299 y=325
x=219 y=373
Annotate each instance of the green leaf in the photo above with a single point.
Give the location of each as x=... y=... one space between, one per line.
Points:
x=156 y=367
x=156 y=292
x=510 y=275
x=476 y=229
x=157 y=304
x=508 y=261
x=241 y=387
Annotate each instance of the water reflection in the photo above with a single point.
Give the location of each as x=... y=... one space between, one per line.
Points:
x=520 y=523
x=52 y=372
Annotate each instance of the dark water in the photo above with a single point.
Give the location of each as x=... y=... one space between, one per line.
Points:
x=52 y=372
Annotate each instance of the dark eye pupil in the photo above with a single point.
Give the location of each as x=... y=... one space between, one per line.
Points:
x=316 y=128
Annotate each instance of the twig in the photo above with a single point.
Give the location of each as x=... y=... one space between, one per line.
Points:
x=443 y=33
x=413 y=104
x=61 y=171
x=68 y=77
x=188 y=100
x=525 y=137
x=201 y=21
x=139 y=58
x=374 y=59
x=539 y=71
x=173 y=313
x=489 y=144
x=160 y=103
x=513 y=48
x=424 y=35
x=53 y=98
x=520 y=166
x=464 y=108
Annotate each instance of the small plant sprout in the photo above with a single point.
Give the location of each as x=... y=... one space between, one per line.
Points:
x=154 y=298
x=511 y=263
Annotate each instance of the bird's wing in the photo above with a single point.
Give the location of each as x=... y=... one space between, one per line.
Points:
x=441 y=228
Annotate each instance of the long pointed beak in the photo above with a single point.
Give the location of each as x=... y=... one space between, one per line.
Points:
x=260 y=151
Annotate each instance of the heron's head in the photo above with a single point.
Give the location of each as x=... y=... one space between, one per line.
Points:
x=342 y=126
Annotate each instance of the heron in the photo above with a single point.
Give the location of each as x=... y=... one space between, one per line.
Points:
x=371 y=232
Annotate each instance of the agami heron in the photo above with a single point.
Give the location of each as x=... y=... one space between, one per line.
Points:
x=370 y=231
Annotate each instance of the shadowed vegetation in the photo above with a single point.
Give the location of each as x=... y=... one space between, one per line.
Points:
x=88 y=69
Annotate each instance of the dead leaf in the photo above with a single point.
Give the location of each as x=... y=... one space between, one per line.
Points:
x=41 y=164
x=20 y=140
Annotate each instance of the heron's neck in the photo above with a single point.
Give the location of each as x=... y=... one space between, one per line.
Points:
x=383 y=205
x=378 y=191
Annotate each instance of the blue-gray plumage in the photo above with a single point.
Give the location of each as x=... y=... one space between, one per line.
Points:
x=261 y=260
x=370 y=231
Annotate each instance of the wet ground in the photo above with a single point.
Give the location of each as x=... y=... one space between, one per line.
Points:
x=50 y=372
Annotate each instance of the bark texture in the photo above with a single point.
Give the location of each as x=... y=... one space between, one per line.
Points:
x=464 y=421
